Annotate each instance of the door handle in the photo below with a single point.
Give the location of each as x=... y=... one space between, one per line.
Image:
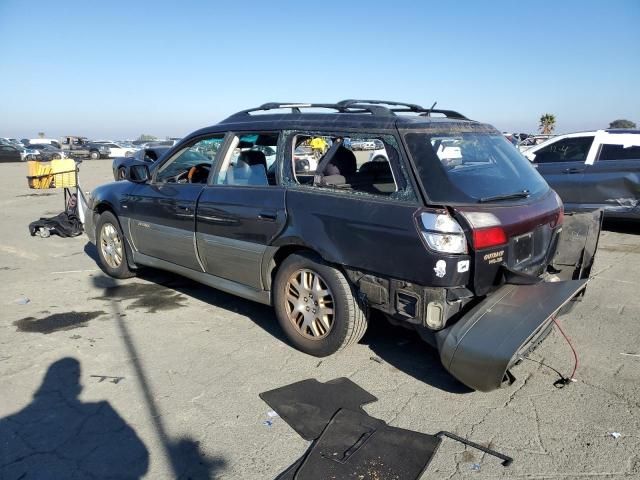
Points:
x=572 y=170
x=269 y=217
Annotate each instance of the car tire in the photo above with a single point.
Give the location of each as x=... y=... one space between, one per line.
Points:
x=110 y=243
x=56 y=156
x=93 y=155
x=300 y=303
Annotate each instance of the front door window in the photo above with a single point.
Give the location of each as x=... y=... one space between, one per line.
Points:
x=191 y=164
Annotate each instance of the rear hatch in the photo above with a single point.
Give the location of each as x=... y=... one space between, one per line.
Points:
x=510 y=215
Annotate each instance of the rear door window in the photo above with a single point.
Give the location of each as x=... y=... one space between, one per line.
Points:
x=353 y=164
x=573 y=149
x=619 y=152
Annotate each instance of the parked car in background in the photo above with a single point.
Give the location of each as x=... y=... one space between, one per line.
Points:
x=596 y=169
x=11 y=141
x=160 y=143
x=116 y=150
x=532 y=141
x=357 y=144
x=304 y=159
x=474 y=254
x=98 y=150
x=10 y=153
x=29 y=153
x=48 y=152
x=43 y=141
x=144 y=155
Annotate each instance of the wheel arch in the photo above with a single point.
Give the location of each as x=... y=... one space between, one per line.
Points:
x=274 y=259
x=105 y=206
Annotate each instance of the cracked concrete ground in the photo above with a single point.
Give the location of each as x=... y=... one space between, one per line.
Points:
x=159 y=377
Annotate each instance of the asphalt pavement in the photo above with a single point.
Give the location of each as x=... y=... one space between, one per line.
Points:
x=158 y=377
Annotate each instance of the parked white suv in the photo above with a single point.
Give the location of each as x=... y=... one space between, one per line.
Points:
x=596 y=169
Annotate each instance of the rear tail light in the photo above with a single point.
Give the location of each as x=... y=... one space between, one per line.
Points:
x=442 y=233
x=486 y=230
x=488 y=237
x=560 y=218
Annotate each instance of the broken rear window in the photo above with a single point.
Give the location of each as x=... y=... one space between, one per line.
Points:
x=465 y=167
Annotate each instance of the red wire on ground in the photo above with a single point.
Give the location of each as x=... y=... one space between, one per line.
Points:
x=575 y=354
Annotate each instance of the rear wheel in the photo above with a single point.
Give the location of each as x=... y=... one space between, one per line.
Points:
x=316 y=306
x=111 y=246
x=94 y=155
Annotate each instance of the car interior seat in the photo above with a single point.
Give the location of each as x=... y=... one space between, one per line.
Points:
x=341 y=169
x=249 y=169
x=376 y=177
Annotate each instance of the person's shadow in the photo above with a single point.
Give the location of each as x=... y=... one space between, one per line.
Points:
x=59 y=436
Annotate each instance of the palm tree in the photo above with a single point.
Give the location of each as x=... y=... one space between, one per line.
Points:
x=547 y=123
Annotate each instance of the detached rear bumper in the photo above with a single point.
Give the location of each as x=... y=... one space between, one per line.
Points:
x=480 y=348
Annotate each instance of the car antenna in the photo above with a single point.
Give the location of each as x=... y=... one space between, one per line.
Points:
x=432 y=107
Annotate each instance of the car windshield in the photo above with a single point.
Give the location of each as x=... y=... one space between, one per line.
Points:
x=471 y=166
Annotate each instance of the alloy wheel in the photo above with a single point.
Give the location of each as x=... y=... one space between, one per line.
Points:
x=309 y=304
x=111 y=245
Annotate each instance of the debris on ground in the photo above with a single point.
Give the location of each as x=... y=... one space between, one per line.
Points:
x=111 y=379
x=330 y=416
x=475 y=467
x=615 y=435
x=630 y=354
x=22 y=300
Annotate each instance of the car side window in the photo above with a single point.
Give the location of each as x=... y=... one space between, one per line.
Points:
x=619 y=152
x=356 y=164
x=191 y=164
x=250 y=160
x=567 y=150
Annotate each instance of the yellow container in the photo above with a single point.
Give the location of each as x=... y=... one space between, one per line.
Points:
x=54 y=174
x=64 y=172
x=39 y=174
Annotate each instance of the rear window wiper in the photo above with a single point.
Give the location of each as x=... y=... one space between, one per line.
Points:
x=506 y=196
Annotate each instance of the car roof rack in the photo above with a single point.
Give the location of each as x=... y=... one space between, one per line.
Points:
x=402 y=107
x=373 y=107
x=296 y=107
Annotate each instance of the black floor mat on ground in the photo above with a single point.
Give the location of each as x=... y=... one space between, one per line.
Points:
x=309 y=405
x=355 y=445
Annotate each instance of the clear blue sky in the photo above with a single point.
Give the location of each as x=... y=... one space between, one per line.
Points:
x=121 y=68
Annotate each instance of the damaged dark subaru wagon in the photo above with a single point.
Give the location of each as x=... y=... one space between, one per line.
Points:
x=429 y=217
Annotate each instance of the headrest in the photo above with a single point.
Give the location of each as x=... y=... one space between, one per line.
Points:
x=253 y=157
x=343 y=163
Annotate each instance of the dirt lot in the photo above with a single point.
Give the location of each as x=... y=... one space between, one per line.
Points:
x=170 y=371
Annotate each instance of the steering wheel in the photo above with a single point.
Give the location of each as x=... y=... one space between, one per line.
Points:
x=196 y=174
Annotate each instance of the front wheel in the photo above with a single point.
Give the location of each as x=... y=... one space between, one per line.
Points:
x=316 y=306
x=111 y=247
x=94 y=155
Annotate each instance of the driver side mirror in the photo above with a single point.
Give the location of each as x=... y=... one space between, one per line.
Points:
x=138 y=173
